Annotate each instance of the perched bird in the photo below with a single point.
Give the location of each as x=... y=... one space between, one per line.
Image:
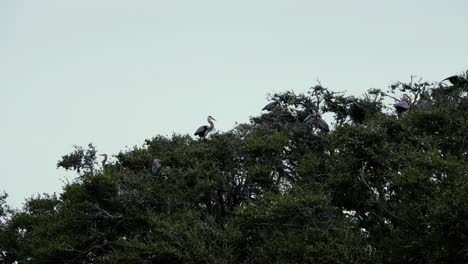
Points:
x=156 y=168
x=425 y=105
x=203 y=131
x=403 y=105
x=357 y=113
x=316 y=120
x=270 y=106
x=103 y=162
x=455 y=79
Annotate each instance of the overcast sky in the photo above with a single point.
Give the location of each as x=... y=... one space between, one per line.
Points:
x=117 y=72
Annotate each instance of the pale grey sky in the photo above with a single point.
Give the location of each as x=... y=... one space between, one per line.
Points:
x=117 y=72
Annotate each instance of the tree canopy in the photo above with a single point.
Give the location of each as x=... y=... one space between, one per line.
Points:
x=378 y=188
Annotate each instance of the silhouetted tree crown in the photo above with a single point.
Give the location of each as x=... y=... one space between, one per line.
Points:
x=378 y=188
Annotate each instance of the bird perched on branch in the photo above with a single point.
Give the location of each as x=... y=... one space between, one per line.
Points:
x=203 y=131
x=455 y=79
x=156 y=168
x=316 y=120
x=403 y=105
x=357 y=113
x=270 y=106
x=425 y=105
x=103 y=162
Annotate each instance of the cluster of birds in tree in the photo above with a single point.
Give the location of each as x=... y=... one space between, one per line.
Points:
x=155 y=168
x=425 y=104
x=315 y=119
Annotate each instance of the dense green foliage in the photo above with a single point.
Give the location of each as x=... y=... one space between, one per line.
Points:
x=379 y=188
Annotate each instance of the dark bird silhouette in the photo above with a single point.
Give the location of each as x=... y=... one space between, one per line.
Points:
x=357 y=113
x=403 y=105
x=103 y=162
x=156 y=168
x=270 y=106
x=316 y=120
x=455 y=79
x=203 y=131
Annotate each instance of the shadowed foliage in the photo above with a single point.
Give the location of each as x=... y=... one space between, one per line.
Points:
x=379 y=188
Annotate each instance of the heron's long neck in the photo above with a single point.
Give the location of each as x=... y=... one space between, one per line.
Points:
x=211 y=124
x=104 y=161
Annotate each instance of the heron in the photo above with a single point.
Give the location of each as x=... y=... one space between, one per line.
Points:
x=103 y=162
x=357 y=113
x=156 y=168
x=425 y=105
x=403 y=105
x=455 y=79
x=203 y=131
x=316 y=120
x=270 y=106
